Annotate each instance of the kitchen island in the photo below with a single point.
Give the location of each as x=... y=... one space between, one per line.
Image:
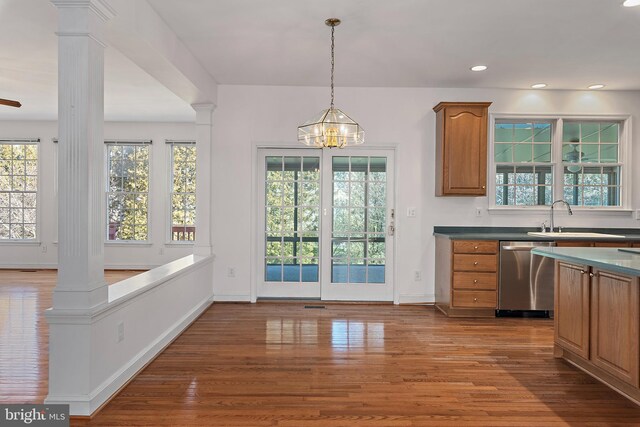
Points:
x=597 y=313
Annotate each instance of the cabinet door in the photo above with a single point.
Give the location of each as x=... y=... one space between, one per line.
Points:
x=571 y=301
x=614 y=324
x=461 y=148
x=465 y=134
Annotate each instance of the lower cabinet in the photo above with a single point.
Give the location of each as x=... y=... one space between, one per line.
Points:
x=466 y=277
x=571 y=307
x=614 y=324
x=597 y=324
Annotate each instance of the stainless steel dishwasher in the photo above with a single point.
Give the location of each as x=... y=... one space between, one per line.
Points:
x=526 y=280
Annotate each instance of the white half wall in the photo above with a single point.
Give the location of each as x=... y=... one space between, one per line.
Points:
x=250 y=115
x=92 y=355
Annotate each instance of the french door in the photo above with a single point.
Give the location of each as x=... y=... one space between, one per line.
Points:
x=326 y=224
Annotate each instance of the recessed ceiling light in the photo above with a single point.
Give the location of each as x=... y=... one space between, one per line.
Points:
x=598 y=86
x=631 y=3
x=538 y=85
x=478 y=68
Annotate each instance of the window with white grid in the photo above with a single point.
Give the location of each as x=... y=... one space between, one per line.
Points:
x=127 y=191
x=183 y=191
x=18 y=189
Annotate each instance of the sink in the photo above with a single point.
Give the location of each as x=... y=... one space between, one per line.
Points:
x=569 y=234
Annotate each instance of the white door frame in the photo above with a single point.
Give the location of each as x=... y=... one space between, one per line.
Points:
x=255 y=264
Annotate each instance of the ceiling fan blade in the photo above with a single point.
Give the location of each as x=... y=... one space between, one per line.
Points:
x=10 y=103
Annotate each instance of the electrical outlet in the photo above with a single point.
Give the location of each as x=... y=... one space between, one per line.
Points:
x=231 y=272
x=120 y=331
x=411 y=212
x=417 y=275
x=478 y=211
x=638 y=214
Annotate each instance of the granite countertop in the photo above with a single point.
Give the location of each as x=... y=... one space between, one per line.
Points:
x=610 y=259
x=520 y=233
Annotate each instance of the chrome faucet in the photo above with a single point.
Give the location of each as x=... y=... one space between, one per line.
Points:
x=553 y=204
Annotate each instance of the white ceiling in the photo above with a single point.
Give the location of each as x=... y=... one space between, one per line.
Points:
x=29 y=72
x=568 y=44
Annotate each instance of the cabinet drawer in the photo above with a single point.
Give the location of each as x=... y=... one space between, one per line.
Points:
x=471 y=280
x=464 y=262
x=475 y=299
x=475 y=247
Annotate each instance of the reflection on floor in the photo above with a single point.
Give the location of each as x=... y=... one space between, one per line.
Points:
x=365 y=365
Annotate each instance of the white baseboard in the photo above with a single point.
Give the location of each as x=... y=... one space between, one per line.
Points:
x=232 y=298
x=417 y=299
x=54 y=266
x=85 y=405
x=34 y=266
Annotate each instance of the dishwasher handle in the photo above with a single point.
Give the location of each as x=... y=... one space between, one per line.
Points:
x=518 y=248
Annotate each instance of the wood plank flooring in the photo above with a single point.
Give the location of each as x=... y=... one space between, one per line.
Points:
x=280 y=364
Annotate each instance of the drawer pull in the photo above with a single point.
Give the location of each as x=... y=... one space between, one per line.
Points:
x=475 y=247
x=475 y=280
x=475 y=300
x=475 y=262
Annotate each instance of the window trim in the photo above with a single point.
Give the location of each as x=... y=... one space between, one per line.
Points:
x=169 y=191
x=109 y=143
x=557 y=120
x=37 y=239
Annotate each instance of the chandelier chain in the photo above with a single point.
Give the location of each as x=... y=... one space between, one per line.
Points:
x=332 y=62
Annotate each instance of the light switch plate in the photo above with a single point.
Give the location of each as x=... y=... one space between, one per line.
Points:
x=411 y=212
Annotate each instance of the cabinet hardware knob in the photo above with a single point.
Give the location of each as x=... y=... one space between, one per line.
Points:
x=581 y=271
x=475 y=263
x=591 y=274
x=475 y=247
x=475 y=300
x=475 y=280
x=483 y=187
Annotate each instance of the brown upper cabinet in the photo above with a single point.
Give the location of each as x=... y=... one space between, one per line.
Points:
x=461 y=148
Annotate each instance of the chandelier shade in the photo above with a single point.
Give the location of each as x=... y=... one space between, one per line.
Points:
x=331 y=128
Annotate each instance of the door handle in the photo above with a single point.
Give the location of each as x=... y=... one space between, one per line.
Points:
x=392 y=229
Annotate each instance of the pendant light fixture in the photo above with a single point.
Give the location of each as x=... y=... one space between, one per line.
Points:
x=331 y=127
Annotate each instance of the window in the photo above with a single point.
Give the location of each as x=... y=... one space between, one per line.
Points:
x=127 y=191
x=522 y=153
x=18 y=189
x=183 y=191
x=539 y=161
x=590 y=154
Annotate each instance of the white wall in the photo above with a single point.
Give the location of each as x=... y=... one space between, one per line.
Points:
x=157 y=251
x=251 y=115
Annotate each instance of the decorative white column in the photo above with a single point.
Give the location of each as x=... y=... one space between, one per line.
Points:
x=204 y=140
x=81 y=291
x=81 y=216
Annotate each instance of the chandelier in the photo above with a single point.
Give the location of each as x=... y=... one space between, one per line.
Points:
x=331 y=127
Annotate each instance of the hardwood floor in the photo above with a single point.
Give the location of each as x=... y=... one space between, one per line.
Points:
x=280 y=364
x=24 y=333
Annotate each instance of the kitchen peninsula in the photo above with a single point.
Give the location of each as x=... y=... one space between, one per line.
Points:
x=597 y=313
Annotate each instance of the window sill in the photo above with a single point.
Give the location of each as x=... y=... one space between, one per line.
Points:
x=125 y=243
x=7 y=242
x=545 y=209
x=178 y=244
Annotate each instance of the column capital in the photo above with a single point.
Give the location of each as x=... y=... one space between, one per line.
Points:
x=100 y=7
x=204 y=113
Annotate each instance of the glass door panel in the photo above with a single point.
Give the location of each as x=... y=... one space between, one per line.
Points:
x=290 y=225
x=359 y=251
